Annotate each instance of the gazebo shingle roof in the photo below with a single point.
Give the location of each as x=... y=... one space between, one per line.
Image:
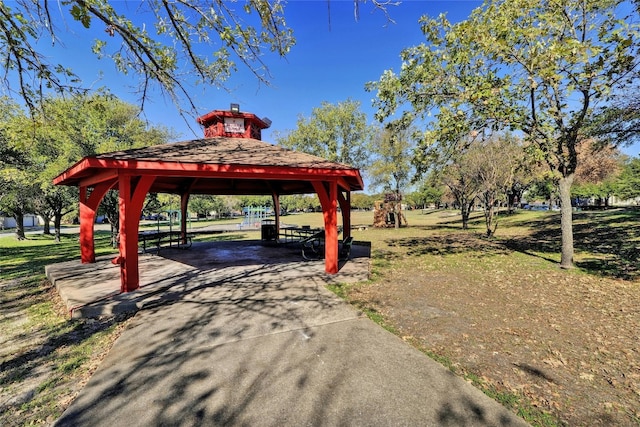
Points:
x=218 y=165
x=226 y=151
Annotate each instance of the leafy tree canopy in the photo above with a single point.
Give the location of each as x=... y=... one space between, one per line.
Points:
x=338 y=133
x=617 y=124
x=84 y=125
x=62 y=132
x=161 y=54
x=628 y=183
x=182 y=42
x=17 y=178
x=362 y=201
x=392 y=152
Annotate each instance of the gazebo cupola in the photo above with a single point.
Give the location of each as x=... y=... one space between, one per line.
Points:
x=233 y=124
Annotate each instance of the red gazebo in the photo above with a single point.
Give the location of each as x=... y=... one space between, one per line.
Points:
x=231 y=159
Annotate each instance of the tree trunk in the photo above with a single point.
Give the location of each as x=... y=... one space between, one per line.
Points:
x=566 y=221
x=115 y=228
x=19 y=216
x=47 y=224
x=511 y=201
x=398 y=211
x=465 y=210
x=489 y=212
x=57 y=220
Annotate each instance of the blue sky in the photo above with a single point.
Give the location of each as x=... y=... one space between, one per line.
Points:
x=333 y=58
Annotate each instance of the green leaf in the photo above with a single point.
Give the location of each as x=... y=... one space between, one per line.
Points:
x=81 y=15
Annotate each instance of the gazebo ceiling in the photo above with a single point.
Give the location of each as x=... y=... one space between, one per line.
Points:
x=218 y=165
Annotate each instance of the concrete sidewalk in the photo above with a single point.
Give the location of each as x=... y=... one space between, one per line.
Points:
x=267 y=345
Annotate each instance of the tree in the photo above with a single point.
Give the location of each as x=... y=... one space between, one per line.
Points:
x=16 y=197
x=52 y=203
x=203 y=205
x=596 y=164
x=84 y=125
x=529 y=169
x=255 y=201
x=165 y=56
x=10 y=154
x=159 y=54
x=459 y=177
x=494 y=164
x=296 y=202
x=428 y=193
x=536 y=67
x=486 y=171
x=391 y=168
x=16 y=167
x=543 y=187
x=338 y=133
x=152 y=204
x=617 y=124
x=362 y=201
x=628 y=183
x=230 y=204
x=598 y=167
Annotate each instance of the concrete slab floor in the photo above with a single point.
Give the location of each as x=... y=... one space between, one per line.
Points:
x=93 y=290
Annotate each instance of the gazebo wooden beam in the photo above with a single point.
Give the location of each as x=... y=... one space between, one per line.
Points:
x=88 y=207
x=131 y=194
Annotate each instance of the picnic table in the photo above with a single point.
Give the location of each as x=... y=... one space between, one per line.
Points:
x=297 y=234
x=313 y=247
x=157 y=239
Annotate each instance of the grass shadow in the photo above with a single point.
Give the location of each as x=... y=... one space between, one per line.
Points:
x=29 y=257
x=606 y=242
x=447 y=244
x=611 y=240
x=543 y=242
x=58 y=334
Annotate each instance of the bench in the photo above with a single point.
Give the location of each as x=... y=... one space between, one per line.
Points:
x=312 y=246
x=345 y=249
x=158 y=239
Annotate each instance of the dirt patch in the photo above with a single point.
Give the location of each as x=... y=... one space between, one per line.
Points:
x=45 y=358
x=565 y=340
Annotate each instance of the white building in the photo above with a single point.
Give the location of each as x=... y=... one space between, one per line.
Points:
x=30 y=220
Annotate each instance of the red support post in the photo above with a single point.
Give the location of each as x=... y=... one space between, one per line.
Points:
x=88 y=208
x=87 y=217
x=328 y=195
x=184 y=203
x=131 y=200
